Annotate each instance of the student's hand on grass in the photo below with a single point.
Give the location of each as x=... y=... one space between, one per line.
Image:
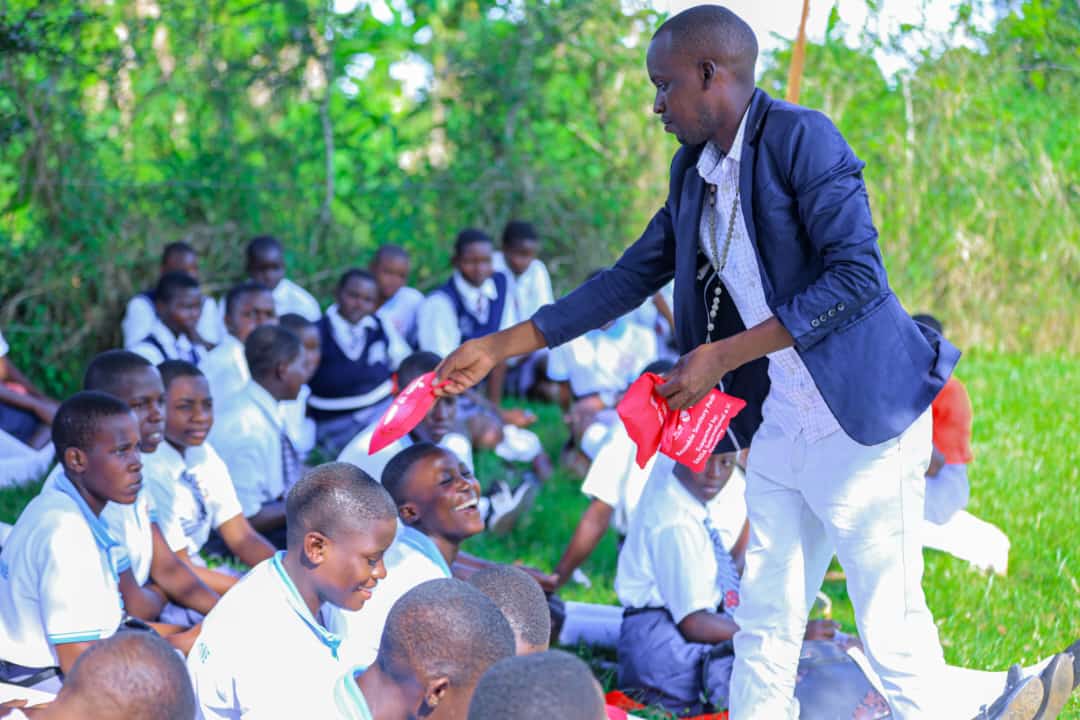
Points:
x=821 y=629
x=518 y=417
x=465 y=367
x=548 y=583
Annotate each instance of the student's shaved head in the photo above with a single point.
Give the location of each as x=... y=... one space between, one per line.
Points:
x=552 y=684
x=521 y=601
x=332 y=496
x=396 y=473
x=78 y=419
x=269 y=346
x=711 y=32
x=109 y=371
x=444 y=629
x=416 y=365
x=129 y=676
x=388 y=251
x=172 y=369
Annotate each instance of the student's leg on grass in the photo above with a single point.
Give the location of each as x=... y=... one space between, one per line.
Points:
x=591 y=624
x=967 y=537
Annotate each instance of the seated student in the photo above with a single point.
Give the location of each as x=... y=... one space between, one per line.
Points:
x=352 y=384
x=266 y=265
x=25 y=416
x=521 y=601
x=250 y=433
x=173 y=334
x=551 y=684
x=397 y=302
x=247 y=306
x=141 y=312
x=270 y=649
x=130 y=676
x=300 y=427
x=189 y=483
x=439 y=639
x=60 y=566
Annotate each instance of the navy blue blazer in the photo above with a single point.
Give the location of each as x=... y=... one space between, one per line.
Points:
x=808 y=217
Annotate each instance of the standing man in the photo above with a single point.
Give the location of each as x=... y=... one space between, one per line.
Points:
x=779 y=284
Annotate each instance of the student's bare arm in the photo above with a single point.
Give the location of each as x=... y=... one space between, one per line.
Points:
x=68 y=653
x=590 y=529
x=496 y=382
x=145 y=603
x=43 y=408
x=182 y=640
x=8 y=371
x=270 y=517
x=216 y=581
x=470 y=363
x=178 y=581
x=705 y=626
x=738 y=550
x=246 y=544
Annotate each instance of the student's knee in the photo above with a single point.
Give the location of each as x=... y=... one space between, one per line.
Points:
x=486 y=432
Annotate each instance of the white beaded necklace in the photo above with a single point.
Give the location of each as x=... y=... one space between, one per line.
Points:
x=718 y=261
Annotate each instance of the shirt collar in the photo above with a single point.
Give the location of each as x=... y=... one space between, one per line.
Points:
x=175 y=463
x=117 y=554
x=469 y=292
x=690 y=504
x=270 y=407
x=421 y=543
x=292 y=596
x=368 y=321
x=349 y=698
x=712 y=157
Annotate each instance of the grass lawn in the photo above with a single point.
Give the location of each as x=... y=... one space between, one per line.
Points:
x=1025 y=479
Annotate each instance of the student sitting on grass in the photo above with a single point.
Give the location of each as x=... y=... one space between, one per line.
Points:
x=397 y=302
x=141 y=313
x=551 y=684
x=247 y=306
x=270 y=649
x=266 y=265
x=250 y=433
x=130 y=676
x=300 y=427
x=25 y=416
x=352 y=384
x=439 y=639
x=174 y=333
x=60 y=567
x=521 y=601
x=189 y=483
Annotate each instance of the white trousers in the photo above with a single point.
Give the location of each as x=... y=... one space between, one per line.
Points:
x=805 y=501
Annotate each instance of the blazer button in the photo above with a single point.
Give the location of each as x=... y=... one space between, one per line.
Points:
x=823 y=318
x=814 y=322
x=840 y=307
x=832 y=312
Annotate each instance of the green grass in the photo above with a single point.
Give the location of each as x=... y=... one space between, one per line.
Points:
x=1025 y=479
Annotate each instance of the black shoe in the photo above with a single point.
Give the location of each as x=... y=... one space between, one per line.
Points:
x=1074 y=650
x=506 y=506
x=1019 y=702
x=1057 y=682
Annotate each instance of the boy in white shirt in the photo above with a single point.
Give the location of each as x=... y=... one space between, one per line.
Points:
x=140 y=314
x=397 y=302
x=270 y=649
x=266 y=265
x=174 y=333
x=190 y=484
x=251 y=436
x=439 y=640
x=247 y=306
x=300 y=427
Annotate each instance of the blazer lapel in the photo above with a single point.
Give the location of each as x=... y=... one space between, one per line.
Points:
x=755 y=119
x=689 y=310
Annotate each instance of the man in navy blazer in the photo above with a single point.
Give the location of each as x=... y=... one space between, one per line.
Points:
x=781 y=297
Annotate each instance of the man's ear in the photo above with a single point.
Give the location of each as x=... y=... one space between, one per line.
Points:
x=75 y=459
x=708 y=73
x=315 y=547
x=409 y=513
x=435 y=690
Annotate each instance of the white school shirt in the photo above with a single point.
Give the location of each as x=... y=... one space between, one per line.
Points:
x=794 y=400
x=261 y=653
x=410 y=560
x=247 y=436
x=437 y=320
x=59 y=573
x=604 y=362
x=176 y=348
x=4 y=347
x=351 y=338
x=140 y=315
x=668 y=559
x=400 y=310
x=356 y=452
x=530 y=290
x=226 y=369
x=193 y=493
x=349 y=702
x=615 y=479
x=291 y=298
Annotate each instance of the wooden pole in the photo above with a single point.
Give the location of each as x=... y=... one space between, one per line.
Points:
x=798 y=56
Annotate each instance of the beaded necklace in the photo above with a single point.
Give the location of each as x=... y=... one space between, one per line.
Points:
x=718 y=261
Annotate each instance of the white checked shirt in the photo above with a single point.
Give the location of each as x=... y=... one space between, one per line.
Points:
x=793 y=400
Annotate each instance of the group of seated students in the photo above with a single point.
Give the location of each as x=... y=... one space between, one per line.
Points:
x=186 y=460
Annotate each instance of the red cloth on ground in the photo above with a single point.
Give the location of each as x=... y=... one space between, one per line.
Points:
x=952 y=422
x=618 y=700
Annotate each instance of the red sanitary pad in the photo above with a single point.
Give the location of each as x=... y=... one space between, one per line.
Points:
x=408 y=409
x=687 y=436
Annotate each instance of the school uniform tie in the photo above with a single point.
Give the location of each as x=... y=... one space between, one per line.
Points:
x=290 y=462
x=188 y=478
x=727 y=575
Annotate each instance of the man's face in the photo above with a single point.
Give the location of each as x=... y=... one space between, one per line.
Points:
x=189 y=412
x=442 y=498
x=145 y=395
x=438 y=421
x=312 y=343
x=113 y=470
x=474 y=263
x=249 y=312
x=185 y=262
x=357 y=299
x=681 y=100
x=351 y=563
x=181 y=314
x=708 y=483
x=391 y=273
x=267 y=267
x=520 y=255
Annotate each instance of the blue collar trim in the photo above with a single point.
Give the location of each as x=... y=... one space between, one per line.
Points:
x=420 y=542
x=298 y=605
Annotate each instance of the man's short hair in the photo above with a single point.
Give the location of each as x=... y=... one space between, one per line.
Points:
x=79 y=416
x=444 y=628
x=390 y=251
x=416 y=365
x=517 y=233
x=260 y=244
x=520 y=599
x=396 y=472
x=269 y=346
x=295 y=322
x=242 y=290
x=108 y=371
x=130 y=676
x=552 y=684
x=470 y=236
x=331 y=496
x=172 y=284
x=172 y=369
x=176 y=248
x=714 y=32
x=353 y=273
